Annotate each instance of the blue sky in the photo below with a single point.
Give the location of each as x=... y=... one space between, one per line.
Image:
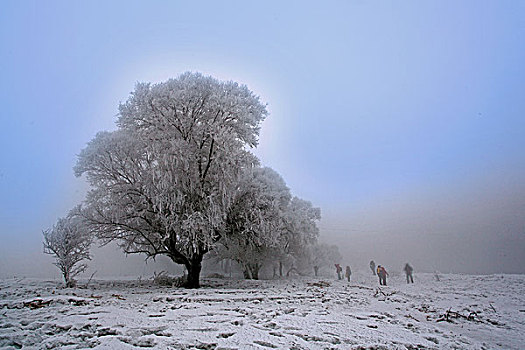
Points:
x=386 y=115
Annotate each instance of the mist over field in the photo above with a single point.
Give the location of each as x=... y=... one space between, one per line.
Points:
x=476 y=231
x=402 y=123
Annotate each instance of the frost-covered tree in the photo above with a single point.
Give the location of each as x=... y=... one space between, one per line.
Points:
x=323 y=255
x=298 y=233
x=163 y=182
x=255 y=219
x=69 y=242
x=264 y=223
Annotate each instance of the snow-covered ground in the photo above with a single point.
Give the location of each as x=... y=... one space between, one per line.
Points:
x=484 y=312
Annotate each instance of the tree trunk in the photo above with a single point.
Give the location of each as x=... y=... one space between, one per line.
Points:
x=71 y=283
x=194 y=267
x=290 y=270
x=251 y=271
x=255 y=271
x=193 y=263
x=67 y=279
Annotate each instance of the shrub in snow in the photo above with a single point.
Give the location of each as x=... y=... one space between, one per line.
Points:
x=163 y=279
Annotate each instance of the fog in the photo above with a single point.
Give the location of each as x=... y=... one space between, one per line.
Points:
x=478 y=230
x=402 y=121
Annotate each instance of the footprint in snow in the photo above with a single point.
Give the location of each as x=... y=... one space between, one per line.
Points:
x=225 y=335
x=265 y=344
x=271 y=325
x=276 y=334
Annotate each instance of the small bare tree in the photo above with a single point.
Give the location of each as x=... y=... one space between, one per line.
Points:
x=69 y=243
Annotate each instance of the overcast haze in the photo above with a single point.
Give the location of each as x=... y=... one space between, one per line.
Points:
x=404 y=121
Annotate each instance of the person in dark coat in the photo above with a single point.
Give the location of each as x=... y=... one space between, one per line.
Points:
x=373 y=267
x=338 y=270
x=408 y=271
x=381 y=273
x=348 y=273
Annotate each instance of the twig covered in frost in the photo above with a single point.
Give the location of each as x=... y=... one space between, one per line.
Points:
x=90 y=278
x=492 y=307
x=449 y=314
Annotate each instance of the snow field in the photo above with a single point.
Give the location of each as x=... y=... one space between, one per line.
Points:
x=457 y=312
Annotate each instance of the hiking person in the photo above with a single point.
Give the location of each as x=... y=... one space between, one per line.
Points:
x=373 y=267
x=408 y=271
x=338 y=269
x=384 y=274
x=348 y=273
x=381 y=273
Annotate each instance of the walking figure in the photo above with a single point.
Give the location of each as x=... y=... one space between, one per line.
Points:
x=348 y=273
x=338 y=269
x=373 y=267
x=381 y=273
x=408 y=271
